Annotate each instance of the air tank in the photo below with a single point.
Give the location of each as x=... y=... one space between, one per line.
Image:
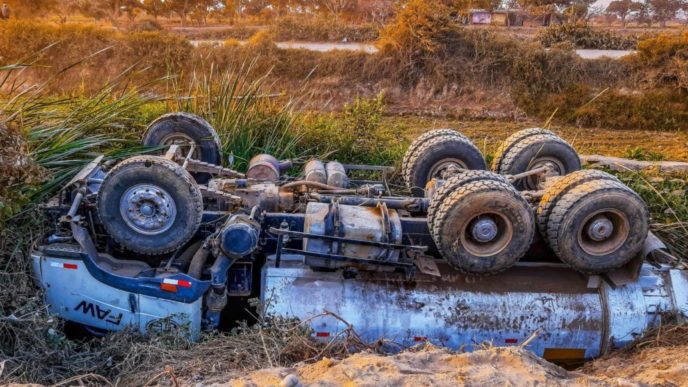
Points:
x=314 y=170
x=336 y=175
x=266 y=167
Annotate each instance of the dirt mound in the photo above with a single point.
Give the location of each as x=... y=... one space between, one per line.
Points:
x=657 y=359
x=653 y=366
x=430 y=366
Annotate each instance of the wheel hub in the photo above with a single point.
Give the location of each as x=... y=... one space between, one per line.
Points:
x=603 y=231
x=185 y=142
x=600 y=229
x=447 y=165
x=484 y=230
x=148 y=209
x=554 y=168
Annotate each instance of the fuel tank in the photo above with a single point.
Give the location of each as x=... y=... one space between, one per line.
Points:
x=377 y=224
x=572 y=317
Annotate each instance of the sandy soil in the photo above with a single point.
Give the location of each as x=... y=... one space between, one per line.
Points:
x=428 y=367
x=659 y=366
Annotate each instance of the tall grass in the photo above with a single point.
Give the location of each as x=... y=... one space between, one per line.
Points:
x=59 y=135
x=247 y=120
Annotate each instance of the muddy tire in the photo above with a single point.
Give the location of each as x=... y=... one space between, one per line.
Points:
x=410 y=151
x=514 y=139
x=483 y=227
x=455 y=182
x=435 y=155
x=598 y=226
x=182 y=129
x=561 y=187
x=150 y=205
x=538 y=151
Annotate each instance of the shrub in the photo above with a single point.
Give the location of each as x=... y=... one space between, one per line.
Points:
x=663 y=60
x=583 y=36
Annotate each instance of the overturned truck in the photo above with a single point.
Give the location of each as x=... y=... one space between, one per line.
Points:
x=467 y=255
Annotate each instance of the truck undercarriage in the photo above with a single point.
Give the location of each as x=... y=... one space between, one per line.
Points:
x=466 y=256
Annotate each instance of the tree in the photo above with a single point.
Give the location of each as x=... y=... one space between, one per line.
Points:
x=337 y=7
x=155 y=8
x=33 y=8
x=107 y=9
x=644 y=15
x=663 y=10
x=623 y=8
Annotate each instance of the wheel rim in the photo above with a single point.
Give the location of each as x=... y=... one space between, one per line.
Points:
x=487 y=234
x=148 y=209
x=603 y=232
x=444 y=165
x=555 y=168
x=185 y=142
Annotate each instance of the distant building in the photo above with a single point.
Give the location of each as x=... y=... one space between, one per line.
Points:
x=508 y=17
x=480 y=16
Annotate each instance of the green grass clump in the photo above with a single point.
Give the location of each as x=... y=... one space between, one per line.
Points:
x=356 y=136
x=247 y=118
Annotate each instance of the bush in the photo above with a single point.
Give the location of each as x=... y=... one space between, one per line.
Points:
x=357 y=136
x=146 y=25
x=583 y=36
x=663 y=60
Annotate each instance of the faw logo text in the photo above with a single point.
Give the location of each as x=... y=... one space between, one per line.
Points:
x=101 y=314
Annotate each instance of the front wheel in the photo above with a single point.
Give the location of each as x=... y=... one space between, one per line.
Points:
x=150 y=205
x=185 y=129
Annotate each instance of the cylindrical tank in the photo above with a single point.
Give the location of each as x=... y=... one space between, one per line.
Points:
x=266 y=167
x=314 y=170
x=336 y=175
x=571 y=316
x=376 y=224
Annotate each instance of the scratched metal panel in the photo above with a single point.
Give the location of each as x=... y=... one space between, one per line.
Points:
x=679 y=285
x=627 y=313
x=157 y=314
x=75 y=295
x=460 y=316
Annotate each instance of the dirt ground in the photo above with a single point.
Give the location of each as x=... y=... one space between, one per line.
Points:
x=487 y=135
x=494 y=366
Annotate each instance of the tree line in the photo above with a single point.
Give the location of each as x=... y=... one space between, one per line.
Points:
x=198 y=11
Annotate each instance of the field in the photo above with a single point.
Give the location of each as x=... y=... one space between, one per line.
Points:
x=70 y=91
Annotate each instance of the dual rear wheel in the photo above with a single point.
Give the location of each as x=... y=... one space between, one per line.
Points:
x=481 y=224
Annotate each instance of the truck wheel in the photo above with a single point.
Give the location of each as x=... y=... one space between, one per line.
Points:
x=184 y=129
x=561 y=187
x=438 y=154
x=150 y=205
x=541 y=150
x=483 y=227
x=598 y=226
x=455 y=182
x=513 y=140
x=420 y=140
